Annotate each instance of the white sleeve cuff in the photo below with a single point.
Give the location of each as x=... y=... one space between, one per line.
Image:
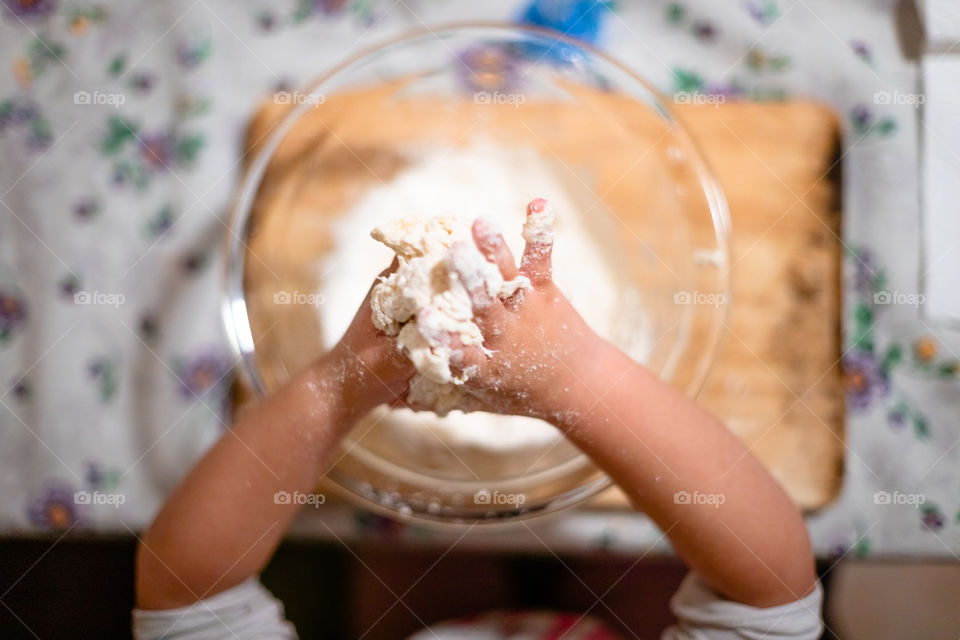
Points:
x=703 y=613
x=244 y=612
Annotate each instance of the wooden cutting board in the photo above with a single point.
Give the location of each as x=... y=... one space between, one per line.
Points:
x=777 y=378
x=776 y=381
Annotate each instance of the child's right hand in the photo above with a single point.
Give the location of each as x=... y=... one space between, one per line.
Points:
x=540 y=345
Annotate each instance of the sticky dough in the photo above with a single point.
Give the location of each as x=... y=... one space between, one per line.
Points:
x=426 y=301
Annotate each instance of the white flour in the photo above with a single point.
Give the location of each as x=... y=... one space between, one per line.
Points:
x=467 y=183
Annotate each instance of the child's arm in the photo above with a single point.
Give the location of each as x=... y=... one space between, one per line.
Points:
x=222 y=524
x=651 y=439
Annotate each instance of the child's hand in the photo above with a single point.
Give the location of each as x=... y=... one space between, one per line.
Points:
x=539 y=342
x=366 y=366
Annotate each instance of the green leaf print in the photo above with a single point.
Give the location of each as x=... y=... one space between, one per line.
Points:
x=948 y=369
x=117 y=65
x=862 y=338
x=676 y=12
x=41 y=53
x=893 y=357
x=885 y=127
x=862 y=548
x=686 y=81
x=188 y=148
x=119 y=132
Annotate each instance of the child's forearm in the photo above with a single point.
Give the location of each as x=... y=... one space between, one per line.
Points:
x=724 y=514
x=222 y=524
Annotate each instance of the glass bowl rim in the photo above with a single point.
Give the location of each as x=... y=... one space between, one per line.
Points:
x=233 y=297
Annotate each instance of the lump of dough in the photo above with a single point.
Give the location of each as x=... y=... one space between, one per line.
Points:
x=424 y=301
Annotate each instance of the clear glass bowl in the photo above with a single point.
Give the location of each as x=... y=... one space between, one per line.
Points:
x=632 y=174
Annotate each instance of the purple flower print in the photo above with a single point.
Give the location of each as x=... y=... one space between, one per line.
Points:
x=865 y=381
x=16 y=112
x=55 y=509
x=307 y=8
x=195 y=261
x=861 y=116
x=13 y=312
x=704 y=31
x=23 y=114
x=191 y=54
x=143 y=82
x=94 y=474
x=488 y=68
x=838 y=549
x=86 y=208
x=896 y=417
x=330 y=6
x=266 y=21
x=862 y=49
x=32 y=9
x=149 y=328
x=21 y=389
x=931 y=517
x=866 y=273
x=162 y=222
x=102 y=479
x=202 y=373
x=69 y=285
x=104 y=372
x=157 y=150
x=763 y=11
x=138 y=155
x=865 y=122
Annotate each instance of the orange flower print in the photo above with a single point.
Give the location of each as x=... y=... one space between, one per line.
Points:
x=925 y=349
x=22 y=73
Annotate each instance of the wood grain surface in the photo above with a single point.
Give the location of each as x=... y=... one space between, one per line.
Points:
x=776 y=380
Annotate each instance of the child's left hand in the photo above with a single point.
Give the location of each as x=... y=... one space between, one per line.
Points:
x=366 y=365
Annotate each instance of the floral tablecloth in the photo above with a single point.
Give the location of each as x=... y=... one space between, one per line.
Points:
x=121 y=130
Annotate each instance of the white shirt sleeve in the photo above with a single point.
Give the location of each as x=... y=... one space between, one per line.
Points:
x=703 y=614
x=244 y=612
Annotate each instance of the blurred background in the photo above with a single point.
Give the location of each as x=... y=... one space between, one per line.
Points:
x=832 y=127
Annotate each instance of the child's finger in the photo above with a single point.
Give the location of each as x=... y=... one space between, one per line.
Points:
x=487 y=310
x=468 y=264
x=464 y=360
x=393 y=267
x=399 y=402
x=383 y=274
x=493 y=247
x=468 y=403
x=538 y=232
x=462 y=260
